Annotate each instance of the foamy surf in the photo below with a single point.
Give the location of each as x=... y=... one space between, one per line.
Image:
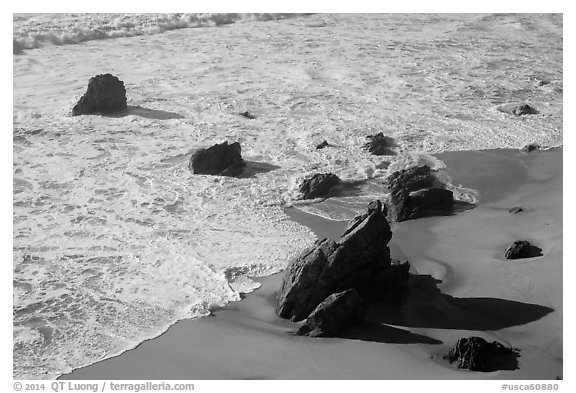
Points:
x=36 y=30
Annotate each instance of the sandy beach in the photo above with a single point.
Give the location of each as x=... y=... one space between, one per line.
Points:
x=461 y=286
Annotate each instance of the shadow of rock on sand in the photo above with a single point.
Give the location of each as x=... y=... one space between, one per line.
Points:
x=252 y=168
x=377 y=332
x=146 y=113
x=425 y=306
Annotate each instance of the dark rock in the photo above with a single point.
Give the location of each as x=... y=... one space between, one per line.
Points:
x=412 y=179
x=322 y=145
x=416 y=192
x=221 y=159
x=524 y=109
x=379 y=145
x=105 y=94
x=543 y=82
x=360 y=259
x=516 y=210
x=531 y=147
x=335 y=313
x=518 y=110
x=476 y=354
x=318 y=186
x=522 y=249
x=247 y=115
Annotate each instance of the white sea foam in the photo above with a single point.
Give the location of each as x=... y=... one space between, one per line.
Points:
x=115 y=239
x=36 y=30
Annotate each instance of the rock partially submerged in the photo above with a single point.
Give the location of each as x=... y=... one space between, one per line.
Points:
x=416 y=192
x=105 y=95
x=322 y=145
x=247 y=115
x=360 y=259
x=335 y=313
x=522 y=249
x=476 y=354
x=531 y=147
x=379 y=145
x=518 y=109
x=318 y=186
x=221 y=159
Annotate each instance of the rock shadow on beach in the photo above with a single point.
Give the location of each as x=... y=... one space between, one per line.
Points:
x=425 y=306
x=147 y=113
x=382 y=333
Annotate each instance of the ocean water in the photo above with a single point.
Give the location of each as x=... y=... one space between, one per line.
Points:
x=115 y=239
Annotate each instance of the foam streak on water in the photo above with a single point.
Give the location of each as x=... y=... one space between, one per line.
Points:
x=114 y=238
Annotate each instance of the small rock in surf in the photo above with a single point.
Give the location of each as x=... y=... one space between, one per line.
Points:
x=105 y=95
x=221 y=159
x=318 y=186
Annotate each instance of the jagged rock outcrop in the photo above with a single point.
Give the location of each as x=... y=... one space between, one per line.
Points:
x=522 y=249
x=518 y=109
x=318 y=186
x=221 y=159
x=476 y=354
x=360 y=259
x=379 y=145
x=416 y=192
x=335 y=313
x=105 y=95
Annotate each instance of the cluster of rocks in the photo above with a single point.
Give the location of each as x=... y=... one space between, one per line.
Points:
x=477 y=354
x=416 y=192
x=329 y=284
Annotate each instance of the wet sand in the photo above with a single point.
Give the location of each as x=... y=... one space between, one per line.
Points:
x=461 y=286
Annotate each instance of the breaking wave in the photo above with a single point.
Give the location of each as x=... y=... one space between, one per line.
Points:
x=37 y=30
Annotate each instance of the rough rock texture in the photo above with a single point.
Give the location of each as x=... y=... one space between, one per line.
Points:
x=522 y=249
x=221 y=159
x=335 y=313
x=476 y=354
x=322 y=145
x=516 y=210
x=360 y=259
x=318 y=186
x=416 y=192
x=518 y=109
x=524 y=109
x=531 y=147
x=105 y=94
x=379 y=145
